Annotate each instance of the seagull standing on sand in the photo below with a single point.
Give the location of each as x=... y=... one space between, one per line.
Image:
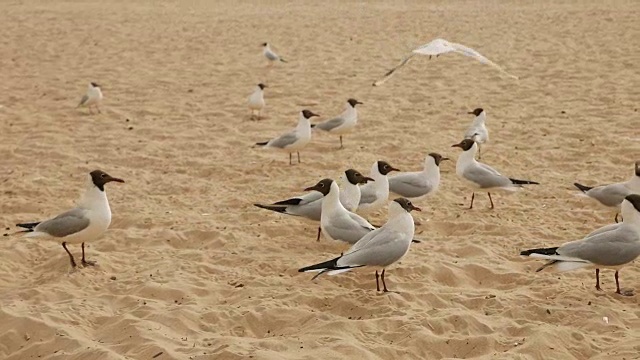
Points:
x=478 y=130
x=86 y=222
x=612 y=246
x=438 y=47
x=270 y=54
x=310 y=205
x=375 y=195
x=481 y=176
x=256 y=100
x=417 y=185
x=294 y=140
x=336 y=222
x=612 y=195
x=342 y=124
x=93 y=97
x=379 y=248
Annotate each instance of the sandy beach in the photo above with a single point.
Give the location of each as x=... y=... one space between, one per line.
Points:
x=190 y=269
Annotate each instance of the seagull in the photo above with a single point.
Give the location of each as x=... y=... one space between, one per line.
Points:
x=478 y=130
x=612 y=195
x=310 y=205
x=380 y=248
x=376 y=194
x=342 y=124
x=86 y=222
x=612 y=246
x=294 y=140
x=417 y=185
x=93 y=97
x=481 y=176
x=270 y=54
x=438 y=47
x=256 y=100
x=336 y=222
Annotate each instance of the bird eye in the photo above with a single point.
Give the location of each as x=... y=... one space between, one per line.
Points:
x=103 y=175
x=321 y=185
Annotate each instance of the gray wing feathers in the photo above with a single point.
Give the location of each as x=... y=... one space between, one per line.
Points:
x=271 y=56
x=284 y=140
x=379 y=249
x=486 y=177
x=609 y=248
x=409 y=185
x=330 y=124
x=83 y=100
x=65 y=224
x=610 y=195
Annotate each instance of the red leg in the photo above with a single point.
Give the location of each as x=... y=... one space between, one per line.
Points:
x=73 y=261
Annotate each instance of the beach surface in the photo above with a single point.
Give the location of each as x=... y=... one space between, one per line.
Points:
x=190 y=269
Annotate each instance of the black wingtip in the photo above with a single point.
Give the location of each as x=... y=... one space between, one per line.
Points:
x=582 y=188
x=541 y=251
x=279 y=209
x=524 y=182
x=416 y=241
x=313 y=125
x=262 y=143
x=29 y=226
x=327 y=265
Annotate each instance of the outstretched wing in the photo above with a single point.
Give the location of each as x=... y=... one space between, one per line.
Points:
x=390 y=73
x=467 y=51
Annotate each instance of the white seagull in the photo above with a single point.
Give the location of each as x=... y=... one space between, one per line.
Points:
x=478 y=130
x=270 y=54
x=343 y=123
x=418 y=185
x=438 y=47
x=612 y=246
x=86 y=222
x=294 y=140
x=336 y=222
x=93 y=97
x=612 y=195
x=256 y=100
x=309 y=206
x=379 y=248
x=376 y=194
x=481 y=176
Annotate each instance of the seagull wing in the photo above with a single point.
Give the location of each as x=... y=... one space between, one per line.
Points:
x=467 y=51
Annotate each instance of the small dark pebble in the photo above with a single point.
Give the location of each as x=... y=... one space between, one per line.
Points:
x=158 y=354
x=190 y=90
x=127 y=120
x=548 y=311
x=7 y=228
x=113 y=278
x=239 y=285
x=130 y=127
x=5 y=234
x=563 y=112
x=589 y=303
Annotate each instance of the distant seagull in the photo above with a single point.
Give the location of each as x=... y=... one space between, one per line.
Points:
x=93 y=97
x=294 y=140
x=376 y=194
x=86 y=222
x=478 y=130
x=270 y=54
x=310 y=205
x=438 y=47
x=418 y=185
x=481 y=176
x=342 y=124
x=612 y=195
x=379 y=248
x=256 y=100
x=612 y=246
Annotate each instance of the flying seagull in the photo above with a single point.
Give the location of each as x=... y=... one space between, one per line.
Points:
x=438 y=47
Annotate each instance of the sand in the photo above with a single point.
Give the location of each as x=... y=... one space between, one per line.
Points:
x=192 y=270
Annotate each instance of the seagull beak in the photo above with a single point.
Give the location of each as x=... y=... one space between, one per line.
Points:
x=310 y=188
x=444 y=158
x=471 y=112
x=394 y=169
x=110 y=178
x=457 y=145
x=367 y=179
x=359 y=102
x=314 y=114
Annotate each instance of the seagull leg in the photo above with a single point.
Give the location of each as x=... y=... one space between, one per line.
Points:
x=98 y=108
x=377 y=283
x=616 y=218
x=84 y=261
x=319 y=231
x=429 y=57
x=598 y=280
x=341 y=146
x=618 y=291
x=384 y=285
x=73 y=261
x=490 y=199
x=290 y=163
x=298 y=156
x=479 y=152
x=473 y=195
